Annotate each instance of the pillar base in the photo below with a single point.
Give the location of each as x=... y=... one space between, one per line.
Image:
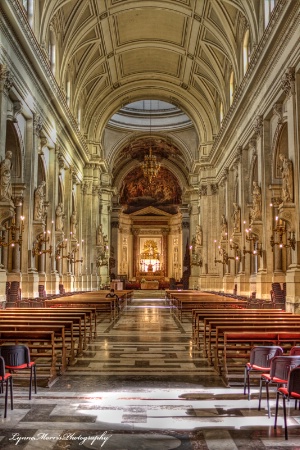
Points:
x=293 y=289
x=30 y=282
x=242 y=284
x=228 y=283
x=263 y=285
x=3 y=280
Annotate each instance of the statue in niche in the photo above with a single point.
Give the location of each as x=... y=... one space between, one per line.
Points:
x=199 y=235
x=236 y=218
x=99 y=236
x=5 y=177
x=255 y=212
x=59 y=217
x=74 y=223
x=287 y=178
x=224 y=228
x=39 y=198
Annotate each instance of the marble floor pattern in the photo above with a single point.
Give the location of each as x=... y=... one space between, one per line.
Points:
x=141 y=385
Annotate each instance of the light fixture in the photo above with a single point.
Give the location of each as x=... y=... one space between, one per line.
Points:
x=13 y=228
x=150 y=166
x=42 y=240
x=281 y=230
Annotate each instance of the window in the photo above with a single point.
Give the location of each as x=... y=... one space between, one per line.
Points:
x=221 y=113
x=231 y=88
x=269 y=6
x=52 y=50
x=68 y=92
x=246 y=52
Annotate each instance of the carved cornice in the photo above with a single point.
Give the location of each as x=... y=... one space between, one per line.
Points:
x=6 y=79
x=258 y=126
x=214 y=188
x=37 y=124
x=278 y=111
x=252 y=146
x=203 y=190
x=288 y=81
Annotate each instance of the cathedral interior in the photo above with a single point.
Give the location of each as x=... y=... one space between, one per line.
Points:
x=153 y=144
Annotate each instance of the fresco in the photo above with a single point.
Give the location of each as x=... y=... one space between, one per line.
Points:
x=164 y=191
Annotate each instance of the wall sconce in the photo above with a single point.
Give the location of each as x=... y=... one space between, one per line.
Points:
x=236 y=248
x=13 y=229
x=281 y=231
x=43 y=239
x=60 y=247
x=74 y=251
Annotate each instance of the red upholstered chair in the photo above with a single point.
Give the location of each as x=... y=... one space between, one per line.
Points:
x=292 y=390
x=17 y=357
x=295 y=350
x=4 y=379
x=260 y=361
x=279 y=372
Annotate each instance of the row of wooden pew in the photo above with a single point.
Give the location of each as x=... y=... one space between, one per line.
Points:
x=226 y=336
x=183 y=302
x=61 y=330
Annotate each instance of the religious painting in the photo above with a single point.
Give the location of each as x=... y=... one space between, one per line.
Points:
x=164 y=190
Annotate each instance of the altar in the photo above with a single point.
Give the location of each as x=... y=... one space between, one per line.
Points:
x=150 y=284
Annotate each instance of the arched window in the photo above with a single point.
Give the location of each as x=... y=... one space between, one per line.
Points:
x=79 y=117
x=269 y=6
x=231 y=88
x=246 y=52
x=52 y=50
x=221 y=113
x=68 y=92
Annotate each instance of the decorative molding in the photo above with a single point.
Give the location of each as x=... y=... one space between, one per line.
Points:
x=288 y=82
x=258 y=126
x=203 y=190
x=214 y=188
x=37 y=124
x=278 y=111
x=6 y=79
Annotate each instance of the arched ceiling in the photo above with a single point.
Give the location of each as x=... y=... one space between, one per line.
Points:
x=117 y=51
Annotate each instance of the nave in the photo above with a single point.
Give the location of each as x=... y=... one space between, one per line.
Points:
x=142 y=385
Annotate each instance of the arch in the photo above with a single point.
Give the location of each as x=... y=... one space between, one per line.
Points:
x=159 y=90
x=280 y=146
x=14 y=143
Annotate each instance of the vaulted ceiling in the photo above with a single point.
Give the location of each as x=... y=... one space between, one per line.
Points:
x=179 y=51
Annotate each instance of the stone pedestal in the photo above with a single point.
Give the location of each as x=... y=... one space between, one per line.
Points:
x=30 y=282
x=3 y=280
x=242 y=284
x=228 y=283
x=79 y=283
x=85 y=282
x=69 y=282
x=293 y=289
x=53 y=284
x=263 y=285
x=95 y=281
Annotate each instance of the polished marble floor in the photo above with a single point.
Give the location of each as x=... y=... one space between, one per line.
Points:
x=141 y=385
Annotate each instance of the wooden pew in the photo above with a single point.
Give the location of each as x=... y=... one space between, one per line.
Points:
x=214 y=328
x=59 y=337
x=241 y=350
x=101 y=305
x=67 y=337
x=246 y=339
x=91 y=315
x=78 y=319
x=40 y=343
x=198 y=316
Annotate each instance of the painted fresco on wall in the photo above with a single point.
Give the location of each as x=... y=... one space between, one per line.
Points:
x=163 y=192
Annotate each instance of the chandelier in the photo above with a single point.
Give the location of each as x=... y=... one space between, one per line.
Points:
x=150 y=166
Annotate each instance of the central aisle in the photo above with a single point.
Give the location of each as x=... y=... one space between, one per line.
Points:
x=141 y=385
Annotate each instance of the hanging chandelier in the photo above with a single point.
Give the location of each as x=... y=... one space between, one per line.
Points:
x=150 y=166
